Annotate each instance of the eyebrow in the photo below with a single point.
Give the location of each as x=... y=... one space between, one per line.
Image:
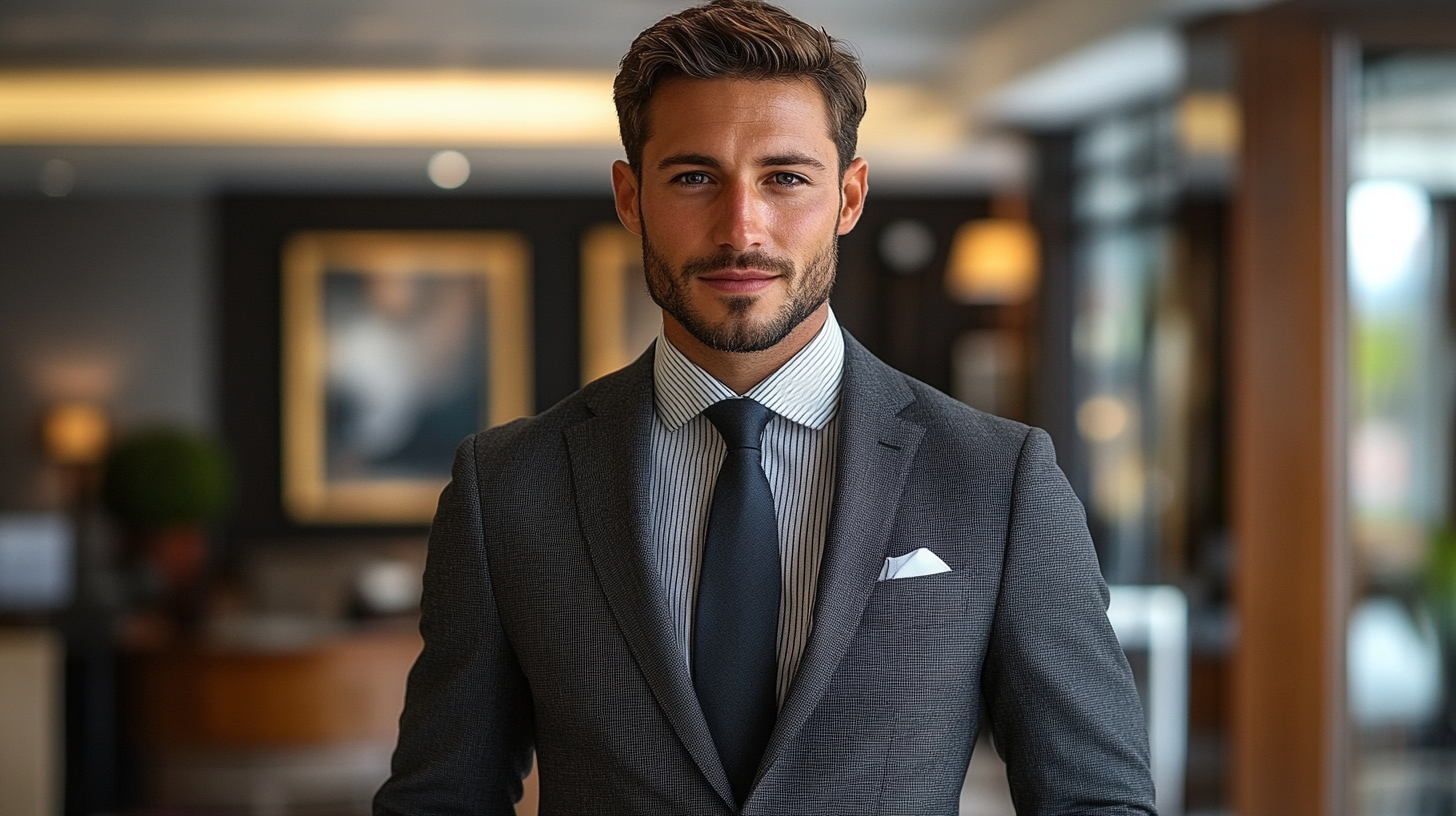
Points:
x=701 y=160
x=687 y=158
x=791 y=160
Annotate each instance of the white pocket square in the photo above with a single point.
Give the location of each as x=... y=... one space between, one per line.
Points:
x=913 y=565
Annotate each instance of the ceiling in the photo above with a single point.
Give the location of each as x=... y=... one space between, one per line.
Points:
x=918 y=53
x=897 y=40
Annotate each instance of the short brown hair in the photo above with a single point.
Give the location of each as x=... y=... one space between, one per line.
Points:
x=738 y=39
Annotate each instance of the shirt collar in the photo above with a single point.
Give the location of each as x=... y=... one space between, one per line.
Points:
x=805 y=390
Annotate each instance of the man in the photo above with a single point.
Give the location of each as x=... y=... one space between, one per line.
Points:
x=758 y=571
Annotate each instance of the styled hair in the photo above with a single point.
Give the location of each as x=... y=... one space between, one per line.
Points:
x=738 y=39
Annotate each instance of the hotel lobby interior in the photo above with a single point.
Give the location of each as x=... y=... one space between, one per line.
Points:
x=263 y=266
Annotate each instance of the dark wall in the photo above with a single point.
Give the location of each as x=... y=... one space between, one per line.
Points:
x=906 y=319
x=1051 y=212
x=903 y=318
x=103 y=300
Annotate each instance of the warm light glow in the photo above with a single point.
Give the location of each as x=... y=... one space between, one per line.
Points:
x=397 y=108
x=993 y=260
x=75 y=433
x=1209 y=124
x=306 y=107
x=909 y=116
x=1102 y=419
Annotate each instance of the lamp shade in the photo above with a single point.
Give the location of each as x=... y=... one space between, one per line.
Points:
x=75 y=433
x=993 y=260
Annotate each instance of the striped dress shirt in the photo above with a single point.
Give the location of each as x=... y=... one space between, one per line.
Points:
x=798 y=458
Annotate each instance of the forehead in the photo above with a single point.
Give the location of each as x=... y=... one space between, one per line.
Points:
x=699 y=114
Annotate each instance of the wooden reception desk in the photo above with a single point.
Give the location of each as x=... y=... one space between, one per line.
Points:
x=272 y=728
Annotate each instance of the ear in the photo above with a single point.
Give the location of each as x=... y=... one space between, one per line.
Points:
x=625 y=189
x=852 y=191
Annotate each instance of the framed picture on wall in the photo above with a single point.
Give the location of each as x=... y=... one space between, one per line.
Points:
x=397 y=344
x=618 y=318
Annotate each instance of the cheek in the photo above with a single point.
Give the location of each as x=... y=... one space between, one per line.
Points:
x=663 y=227
x=811 y=219
x=672 y=223
x=807 y=236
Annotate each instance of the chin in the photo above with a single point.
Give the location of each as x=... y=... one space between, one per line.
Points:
x=741 y=331
x=742 y=323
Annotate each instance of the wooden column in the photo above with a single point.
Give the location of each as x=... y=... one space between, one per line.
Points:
x=1287 y=349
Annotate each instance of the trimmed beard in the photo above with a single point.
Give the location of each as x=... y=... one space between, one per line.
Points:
x=808 y=288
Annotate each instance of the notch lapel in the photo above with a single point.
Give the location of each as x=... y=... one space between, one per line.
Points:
x=875 y=450
x=610 y=456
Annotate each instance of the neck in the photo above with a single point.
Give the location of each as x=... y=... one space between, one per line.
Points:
x=741 y=371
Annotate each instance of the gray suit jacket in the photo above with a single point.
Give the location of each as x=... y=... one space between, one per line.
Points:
x=546 y=627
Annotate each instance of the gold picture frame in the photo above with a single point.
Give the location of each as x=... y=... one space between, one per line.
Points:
x=618 y=318
x=397 y=344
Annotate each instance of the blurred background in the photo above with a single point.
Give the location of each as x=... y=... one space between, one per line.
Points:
x=263 y=264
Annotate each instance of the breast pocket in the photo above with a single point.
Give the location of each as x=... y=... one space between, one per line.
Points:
x=922 y=602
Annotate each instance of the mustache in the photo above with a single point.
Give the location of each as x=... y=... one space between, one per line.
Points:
x=730 y=259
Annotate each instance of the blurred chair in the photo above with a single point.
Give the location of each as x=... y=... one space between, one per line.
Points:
x=30 y=722
x=1151 y=622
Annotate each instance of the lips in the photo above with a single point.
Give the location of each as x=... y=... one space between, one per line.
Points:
x=739 y=281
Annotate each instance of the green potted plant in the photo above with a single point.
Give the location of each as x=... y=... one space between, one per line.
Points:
x=165 y=484
x=1440 y=588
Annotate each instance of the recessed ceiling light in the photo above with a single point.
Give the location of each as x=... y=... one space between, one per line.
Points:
x=449 y=169
x=57 y=178
x=907 y=246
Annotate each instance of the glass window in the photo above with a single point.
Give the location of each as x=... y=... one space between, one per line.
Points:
x=1401 y=634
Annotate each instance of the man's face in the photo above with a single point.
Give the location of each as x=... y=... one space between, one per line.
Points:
x=739 y=206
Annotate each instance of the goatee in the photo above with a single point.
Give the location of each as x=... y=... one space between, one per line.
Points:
x=808 y=289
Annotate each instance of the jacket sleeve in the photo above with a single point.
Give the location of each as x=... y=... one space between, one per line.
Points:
x=465 y=736
x=1063 y=709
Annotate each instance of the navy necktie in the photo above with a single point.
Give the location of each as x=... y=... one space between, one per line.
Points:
x=735 y=637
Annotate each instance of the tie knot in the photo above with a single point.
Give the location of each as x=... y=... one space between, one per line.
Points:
x=740 y=421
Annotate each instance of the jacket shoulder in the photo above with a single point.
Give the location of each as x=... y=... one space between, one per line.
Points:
x=943 y=413
x=944 y=417
x=616 y=389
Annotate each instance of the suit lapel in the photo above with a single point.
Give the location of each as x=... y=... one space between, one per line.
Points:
x=876 y=447
x=610 y=466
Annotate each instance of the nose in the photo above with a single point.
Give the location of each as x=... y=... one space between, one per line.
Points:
x=741 y=217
